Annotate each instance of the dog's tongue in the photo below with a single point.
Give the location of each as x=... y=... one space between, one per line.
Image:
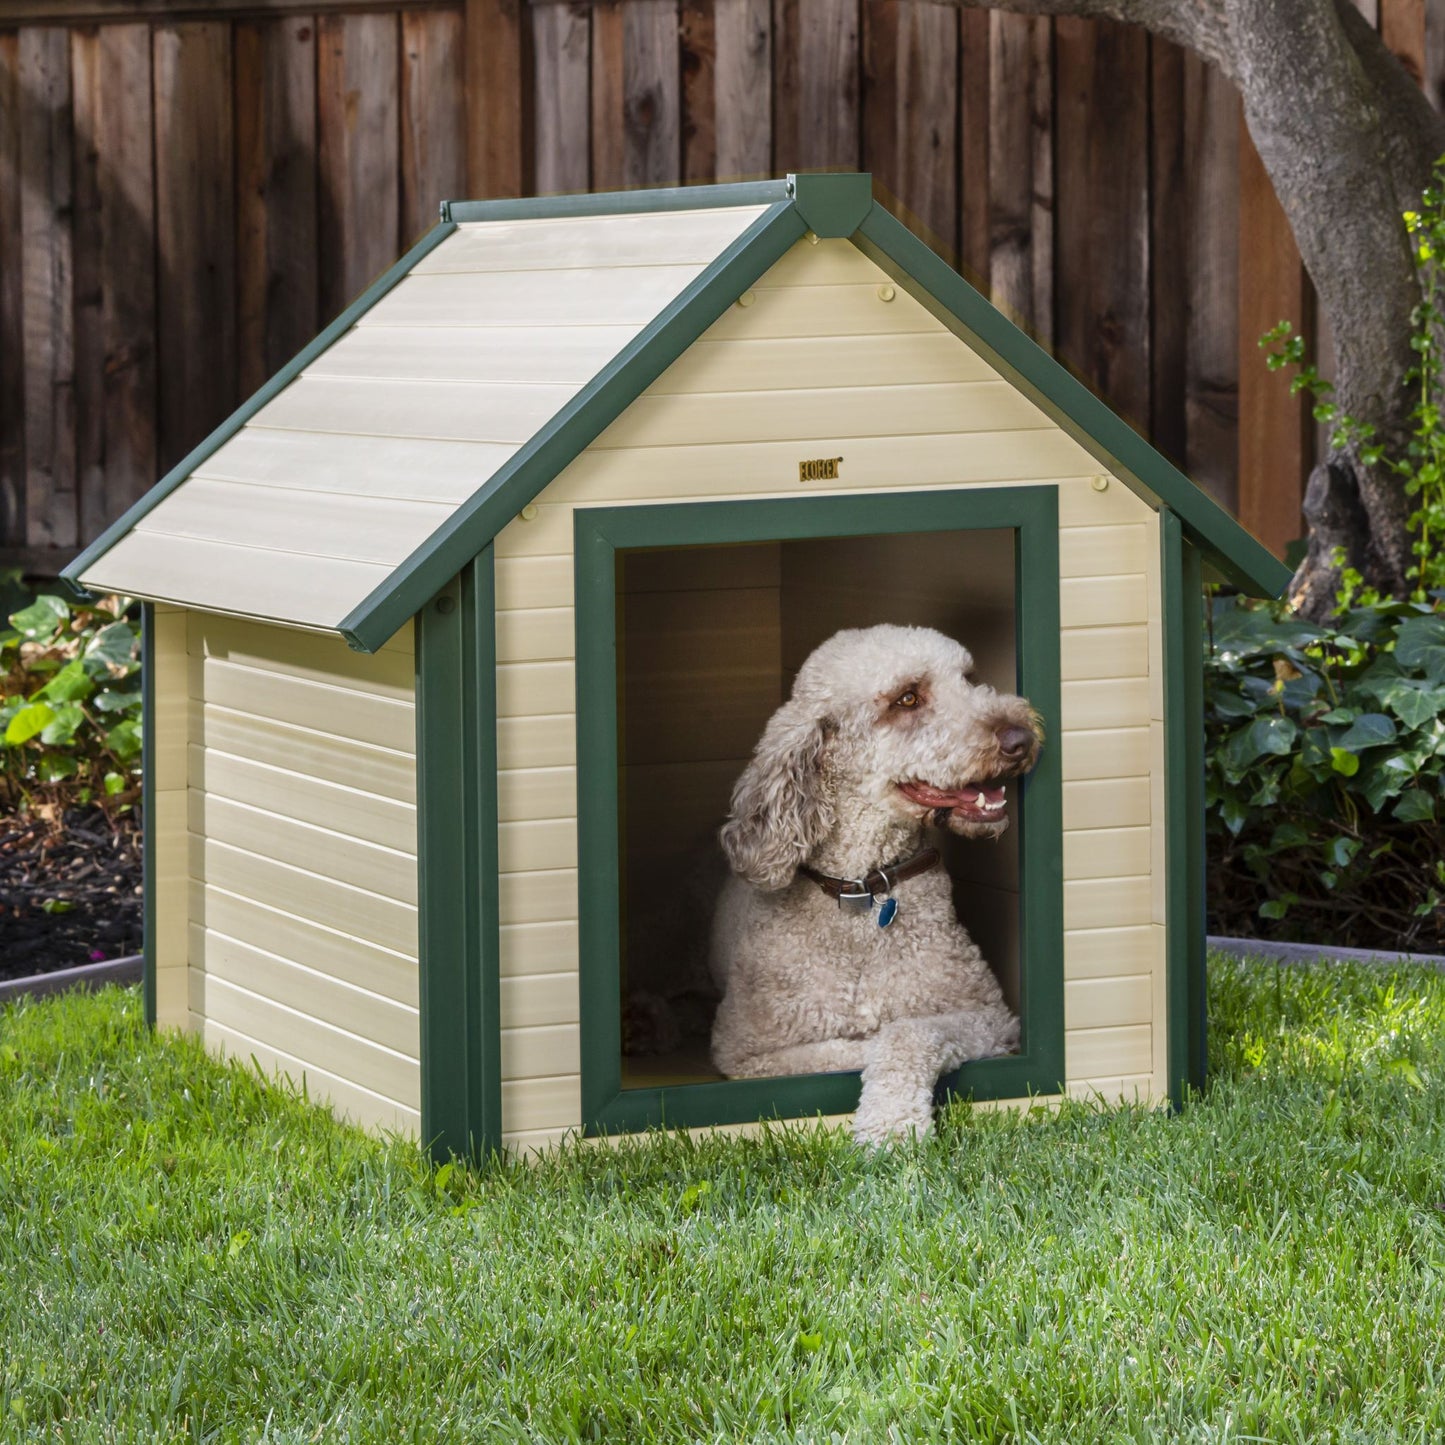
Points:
x=927 y=796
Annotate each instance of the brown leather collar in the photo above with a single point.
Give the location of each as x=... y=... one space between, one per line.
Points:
x=880 y=880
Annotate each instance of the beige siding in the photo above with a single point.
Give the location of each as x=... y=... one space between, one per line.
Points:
x=819 y=365
x=347 y=470
x=297 y=890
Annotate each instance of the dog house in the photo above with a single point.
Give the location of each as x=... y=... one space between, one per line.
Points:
x=459 y=631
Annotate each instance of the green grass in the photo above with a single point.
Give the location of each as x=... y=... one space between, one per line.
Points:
x=186 y=1254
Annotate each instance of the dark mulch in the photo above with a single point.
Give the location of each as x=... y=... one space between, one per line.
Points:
x=88 y=871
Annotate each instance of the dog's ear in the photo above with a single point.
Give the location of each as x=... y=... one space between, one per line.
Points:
x=779 y=811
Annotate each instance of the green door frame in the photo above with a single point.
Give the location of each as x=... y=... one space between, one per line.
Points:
x=1032 y=513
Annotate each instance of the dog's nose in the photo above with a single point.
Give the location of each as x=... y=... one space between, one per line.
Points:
x=1014 y=742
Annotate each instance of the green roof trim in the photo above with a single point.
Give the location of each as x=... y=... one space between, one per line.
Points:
x=576 y=426
x=238 y=418
x=834 y=206
x=1243 y=559
x=619 y=203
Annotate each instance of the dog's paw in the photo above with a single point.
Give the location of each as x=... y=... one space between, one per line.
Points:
x=888 y=1116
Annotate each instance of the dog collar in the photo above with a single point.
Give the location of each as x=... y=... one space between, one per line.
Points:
x=883 y=880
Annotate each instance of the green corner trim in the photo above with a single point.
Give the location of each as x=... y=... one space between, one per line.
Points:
x=833 y=205
x=148 y=809
x=1183 y=629
x=456 y=709
x=619 y=203
x=248 y=409
x=578 y=423
x=1064 y=398
x=1032 y=513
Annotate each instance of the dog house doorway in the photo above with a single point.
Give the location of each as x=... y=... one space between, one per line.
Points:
x=692 y=622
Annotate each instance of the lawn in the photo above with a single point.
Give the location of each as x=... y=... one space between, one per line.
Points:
x=187 y=1254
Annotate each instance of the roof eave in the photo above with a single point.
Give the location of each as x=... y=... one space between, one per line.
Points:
x=1234 y=552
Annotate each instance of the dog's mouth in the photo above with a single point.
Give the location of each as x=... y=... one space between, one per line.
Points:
x=977 y=803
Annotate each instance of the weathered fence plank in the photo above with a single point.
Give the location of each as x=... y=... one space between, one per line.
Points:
x=561 y=60
x=12 y=309
x=741 y=83
x=195 y=235
x=609 y=150
x=433 y=117
x=496 y=99
x=652 y=102
x=697 y=36
x=46 y=202
x=276 y=205
x=974 y=240
x=816 y=90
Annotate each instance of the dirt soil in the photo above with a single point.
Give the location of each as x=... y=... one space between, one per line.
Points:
x=88 y=871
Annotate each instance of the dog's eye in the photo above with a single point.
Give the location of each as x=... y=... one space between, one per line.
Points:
x=906 y=699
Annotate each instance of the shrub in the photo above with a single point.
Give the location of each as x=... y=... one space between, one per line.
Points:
x=70 y=704
x=1326 y=751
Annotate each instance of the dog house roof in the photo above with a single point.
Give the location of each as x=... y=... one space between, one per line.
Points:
x=528 y=327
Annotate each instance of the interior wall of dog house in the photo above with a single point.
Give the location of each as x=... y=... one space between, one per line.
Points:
x=815 y=361
x=285 y=852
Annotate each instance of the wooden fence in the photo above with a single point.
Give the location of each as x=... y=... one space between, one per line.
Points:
x=189 y=190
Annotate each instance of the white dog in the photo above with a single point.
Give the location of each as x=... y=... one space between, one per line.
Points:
x=836 y=944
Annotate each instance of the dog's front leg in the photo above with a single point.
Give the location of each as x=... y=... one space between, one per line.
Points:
x=826 y=1056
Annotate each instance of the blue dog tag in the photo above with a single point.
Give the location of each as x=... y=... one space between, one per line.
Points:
x=887 y=912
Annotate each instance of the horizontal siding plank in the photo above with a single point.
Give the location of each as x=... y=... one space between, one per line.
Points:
x=537 y=742
x=534 y=999
x=541 y=1052
x=753 y=468
x=527 y=846
x=570 y=355
x=541 y=897
x=311 y=656
x=531 y=1144
x=534 y=582
x=387 y=922
x=284 y=981
x=825 y=414
x=385 y=871
x=398 y=467
x=784 y=362
x=342 y=956
x=275 y=519
x=350 y=1101
x=1108 y=703
x=550 y=243
x=304 y=1037
x=1108 y=1053
x=1126 y=1089
x=532 y=1104
x=525 y=688
x=534 y=793
x=387 y=772
x=1106 y=803
x=1092 y=1003
x=472 y=411
x=831 y=261
x=535 y=634
x=1107 y=853
x=1086 y=551
x=1106 y=902
x=533 y=948
x=313 y=591
x=1111 y=952
x=847 y=310
x=341 y=809
x=1106 y=652
x=383 y=722
x=1105 y=753
x=579 y=296
x=1103 y=601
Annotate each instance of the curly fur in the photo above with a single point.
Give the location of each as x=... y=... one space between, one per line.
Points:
x=807 y=986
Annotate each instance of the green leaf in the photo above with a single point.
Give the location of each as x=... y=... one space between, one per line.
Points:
x=1420 y=646
x=114 y=783
x=239 y=1241
x=694 y=1194
x=1407 y=1071
x=1415 y=806
x=811 y=1342
x=1369 y=730
x=42 y=619
x=69 y=684
x=1273 y=908
x=63 y=726
x=57 y=905
x=124 y=740
x=28 y=722
x=115 y=699
x=1341 y=851
x=1347 y=764
x=55 y=767
x=112 y=646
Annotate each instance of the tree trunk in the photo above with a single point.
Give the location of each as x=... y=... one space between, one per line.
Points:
x=1348 y=140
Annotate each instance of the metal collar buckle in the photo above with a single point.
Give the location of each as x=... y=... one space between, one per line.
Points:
x=859 y=899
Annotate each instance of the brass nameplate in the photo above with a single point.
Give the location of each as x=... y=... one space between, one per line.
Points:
x=820 y=469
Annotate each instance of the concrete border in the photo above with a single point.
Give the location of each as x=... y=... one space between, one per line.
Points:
x=86 y=975
x=1321 y=953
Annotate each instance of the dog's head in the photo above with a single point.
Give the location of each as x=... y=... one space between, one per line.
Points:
x=889 y=715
